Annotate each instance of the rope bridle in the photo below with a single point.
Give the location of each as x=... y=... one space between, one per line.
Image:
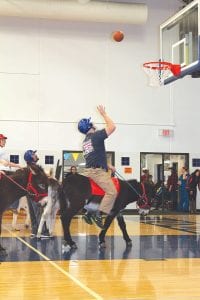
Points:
x=142 y=201
x=30 y=190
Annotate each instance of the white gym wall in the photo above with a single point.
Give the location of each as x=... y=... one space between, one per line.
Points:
x=52 y=73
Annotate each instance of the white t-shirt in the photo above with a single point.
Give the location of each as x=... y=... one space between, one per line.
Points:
x=3 y=156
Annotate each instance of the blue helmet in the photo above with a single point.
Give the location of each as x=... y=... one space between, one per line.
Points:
x=28 y=156
x=84 y=125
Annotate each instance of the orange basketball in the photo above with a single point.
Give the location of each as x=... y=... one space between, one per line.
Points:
x=118 y=36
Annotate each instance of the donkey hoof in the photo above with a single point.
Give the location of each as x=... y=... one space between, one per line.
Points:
x=3 y=252
x=74 y=246
x=66 y=248
x=2 y=248
x=102 y=245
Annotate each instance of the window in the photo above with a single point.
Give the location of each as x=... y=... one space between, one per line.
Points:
x=14 y=159
x=125 y=161
x=49 y=159
x=196 y=162
x=75 y=158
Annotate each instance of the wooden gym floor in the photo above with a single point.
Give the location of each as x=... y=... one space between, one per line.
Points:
x=163 y=263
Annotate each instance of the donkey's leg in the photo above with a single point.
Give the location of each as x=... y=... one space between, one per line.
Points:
x=45 y=214
x=26 y=209
x=52 y=216
x=2 y=250
x=50 y=223
x=28 y=219
x=34 y=223
x=42 y=220
x=106 y=226
x=14 y=221
x=66 y=218
x=122 y=226
x=52 y=220
x=15 y=211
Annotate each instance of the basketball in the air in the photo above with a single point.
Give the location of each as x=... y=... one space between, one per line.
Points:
x=118 y=36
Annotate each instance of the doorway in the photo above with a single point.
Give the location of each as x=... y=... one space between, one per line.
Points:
x=75 y=158
x=160 y=166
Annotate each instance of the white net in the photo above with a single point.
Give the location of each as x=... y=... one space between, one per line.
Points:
x=157 y=73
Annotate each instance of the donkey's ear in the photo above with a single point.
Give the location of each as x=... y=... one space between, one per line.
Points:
x=33 y=168
x=32 y=171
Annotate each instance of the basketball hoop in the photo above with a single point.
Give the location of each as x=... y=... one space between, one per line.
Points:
x=158 y=71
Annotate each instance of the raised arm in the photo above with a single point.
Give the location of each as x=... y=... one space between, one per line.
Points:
x=110 y=125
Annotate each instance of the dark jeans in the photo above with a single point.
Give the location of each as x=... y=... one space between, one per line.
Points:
x=173 y=198
x=14 y=205
x=192 y=201
x=35 y=215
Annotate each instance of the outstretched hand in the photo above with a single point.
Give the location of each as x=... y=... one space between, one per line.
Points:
x=101 y=110
x=110 y=126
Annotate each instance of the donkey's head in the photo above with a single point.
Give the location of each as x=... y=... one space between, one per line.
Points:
x=144 y=201
x=38 y=181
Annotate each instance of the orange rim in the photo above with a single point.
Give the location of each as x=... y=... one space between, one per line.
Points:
x=158 y=65
x=163 y=65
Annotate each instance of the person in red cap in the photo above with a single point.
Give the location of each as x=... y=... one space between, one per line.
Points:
x=4 y=161
x=2 y=137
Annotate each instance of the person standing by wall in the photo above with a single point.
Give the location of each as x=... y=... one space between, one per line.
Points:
x=73 y=171
x=192 y=185
x=172 y=185
x=4 y=161
x=96 y=161
x=183 y=193
x=150 y=180
x=145 y=175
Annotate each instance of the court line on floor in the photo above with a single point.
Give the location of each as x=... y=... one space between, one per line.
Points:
x=56 y=266
x=176 y=221
x=163 y=224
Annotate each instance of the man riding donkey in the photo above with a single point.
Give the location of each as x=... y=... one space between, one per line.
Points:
x=96 y=163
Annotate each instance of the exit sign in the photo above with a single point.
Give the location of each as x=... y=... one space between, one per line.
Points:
x=166 y=132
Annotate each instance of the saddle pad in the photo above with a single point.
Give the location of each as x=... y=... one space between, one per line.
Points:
x=96 y=190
